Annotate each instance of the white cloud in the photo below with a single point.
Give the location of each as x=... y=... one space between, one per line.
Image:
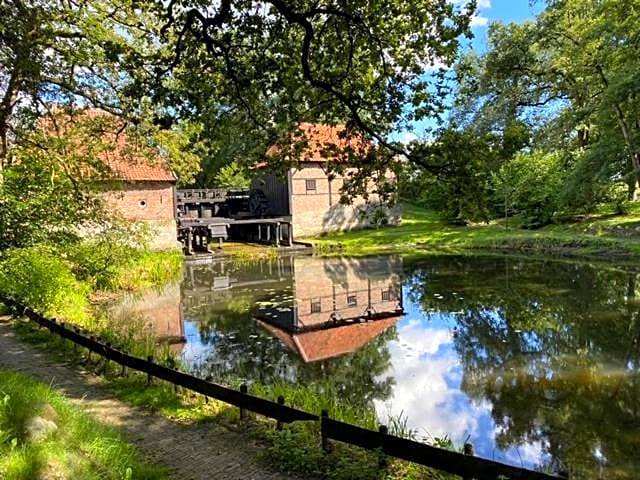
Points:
x=424 y=391
x=479 y=21
x=408 y=137
x=481 y=4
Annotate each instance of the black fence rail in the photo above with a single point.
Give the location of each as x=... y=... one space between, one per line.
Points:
x=451 y=462
x=464 y=465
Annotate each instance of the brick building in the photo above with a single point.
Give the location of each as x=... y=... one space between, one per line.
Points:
x=310 y=193
x=340 y=305
x=134 y=179
x=143 y=192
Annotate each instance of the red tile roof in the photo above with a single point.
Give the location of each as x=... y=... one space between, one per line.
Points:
x=126 y=158
x=331 y=342
x=321 y=138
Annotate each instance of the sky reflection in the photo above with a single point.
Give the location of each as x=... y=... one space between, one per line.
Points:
x=428 y=395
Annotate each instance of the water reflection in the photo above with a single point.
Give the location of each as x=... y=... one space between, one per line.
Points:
x=536 y=363
x=547 y=351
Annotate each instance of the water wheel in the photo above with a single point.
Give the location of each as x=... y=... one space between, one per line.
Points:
x=258 y=203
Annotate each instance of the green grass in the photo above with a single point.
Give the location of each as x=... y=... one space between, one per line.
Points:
x=80 y=447
x=422 y=230
x=147 y=270
x=243 y=253
x=295 y=449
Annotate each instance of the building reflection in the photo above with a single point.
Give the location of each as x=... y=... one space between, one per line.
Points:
x=157 y=313
x=336 y=305
x=319 y=308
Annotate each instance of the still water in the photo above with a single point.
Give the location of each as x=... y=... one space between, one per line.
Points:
x=537 y=363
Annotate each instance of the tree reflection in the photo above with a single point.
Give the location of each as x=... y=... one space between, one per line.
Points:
x=554 y=347
x=247 y=353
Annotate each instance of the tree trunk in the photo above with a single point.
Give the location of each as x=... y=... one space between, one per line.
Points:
x=6 y=111
x=634 y=154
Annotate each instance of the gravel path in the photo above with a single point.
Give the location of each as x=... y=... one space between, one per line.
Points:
x=191 y=452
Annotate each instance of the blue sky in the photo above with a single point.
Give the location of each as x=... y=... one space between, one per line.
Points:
x=500 y=10
x=488 y=11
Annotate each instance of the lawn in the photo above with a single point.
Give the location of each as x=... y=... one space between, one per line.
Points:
x=599 y=235
x=43 y=436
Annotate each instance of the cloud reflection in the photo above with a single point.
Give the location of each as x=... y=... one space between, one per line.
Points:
x=428 y=394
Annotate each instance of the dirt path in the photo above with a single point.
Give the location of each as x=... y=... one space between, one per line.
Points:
x=192 y=452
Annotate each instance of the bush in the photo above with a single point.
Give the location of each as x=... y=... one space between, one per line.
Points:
x=36 y=277
x=530 y=185
x=100 y=261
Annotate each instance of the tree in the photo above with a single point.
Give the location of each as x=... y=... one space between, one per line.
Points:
x=276 y=63
x=530 y=184
x=573 y=72
x=43 y=198
x=463 y=188
x=54 y=53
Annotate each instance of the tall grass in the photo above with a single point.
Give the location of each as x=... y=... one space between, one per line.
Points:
x=37 y=277
x=80 y=447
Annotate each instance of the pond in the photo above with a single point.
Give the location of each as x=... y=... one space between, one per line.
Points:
x=536 y=363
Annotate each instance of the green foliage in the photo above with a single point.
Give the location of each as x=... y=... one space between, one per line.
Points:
x=296 y=449
x=569 y=76
x=79 y=448
x=41 y=199
x=182 y=150
x=461 y=190
x=233 y=175
x=109 y=262
x=37 y=277
x=530 y=185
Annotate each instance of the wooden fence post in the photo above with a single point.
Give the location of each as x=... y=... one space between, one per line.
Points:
x=468 y=450
x=325 y=440
x=382 y=459
x=75 y=345
x=278 y=422
x=243 y=389
x=149 y=377
x=124 y=371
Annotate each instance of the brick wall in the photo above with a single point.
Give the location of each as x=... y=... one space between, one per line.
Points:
x=348 y=293
x=144 y=200
x=151 y=204
x=316 y=208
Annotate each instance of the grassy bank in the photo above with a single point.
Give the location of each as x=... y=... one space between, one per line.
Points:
x=66 y=282
x=601 y=235
x=296 y=449
x=69 y=444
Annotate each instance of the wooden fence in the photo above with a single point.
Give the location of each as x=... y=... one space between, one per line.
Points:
x=466 y=466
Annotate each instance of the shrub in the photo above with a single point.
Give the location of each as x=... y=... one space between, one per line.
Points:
x=36 y=277
x=530 y=185
x=100 y=261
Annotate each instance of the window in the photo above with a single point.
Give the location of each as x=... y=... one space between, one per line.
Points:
x=142 y=203
x=352 y=300
x=315 y=305
x=311 y=185
x=386 y=295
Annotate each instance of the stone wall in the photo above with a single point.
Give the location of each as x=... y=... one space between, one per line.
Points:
x=317 y=211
